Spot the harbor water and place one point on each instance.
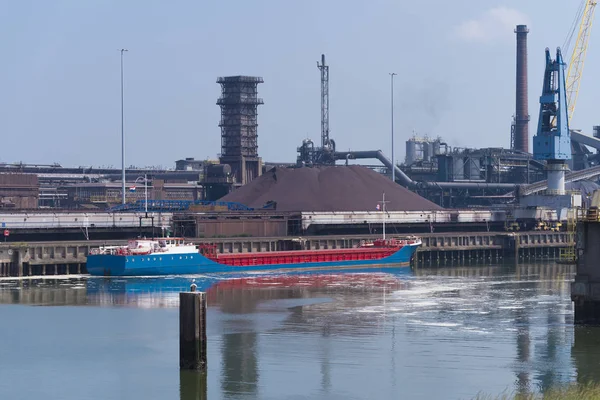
(443, 333)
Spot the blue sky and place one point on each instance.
(455, 61)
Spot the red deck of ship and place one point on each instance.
(304, 256)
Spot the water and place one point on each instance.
(434, 334)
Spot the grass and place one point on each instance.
(572, 392)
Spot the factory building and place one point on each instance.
(106, 194)
(19, 191)
(190, 164)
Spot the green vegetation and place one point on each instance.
(573, 392)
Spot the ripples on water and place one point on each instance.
(434, 333)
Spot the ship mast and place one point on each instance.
(382, 202)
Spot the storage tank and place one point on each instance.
(427, 151)
(218, 170)
(436, 148)
(411, 152)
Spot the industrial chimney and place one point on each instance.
(521, 138)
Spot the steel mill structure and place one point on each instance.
(239, 103)
(450, 176)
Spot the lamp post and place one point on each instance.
(122, 131)
(392, 74)
(145, 178)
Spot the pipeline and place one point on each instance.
(580, 137)
(405, 181)
(401, 177)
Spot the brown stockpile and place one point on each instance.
(339, 188)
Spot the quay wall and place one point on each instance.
(585, 290)
(19, 259)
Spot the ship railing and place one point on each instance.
(393, 242)
(111, 250)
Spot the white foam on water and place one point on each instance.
(429, 290)
(476, 330)
(372, 310)
(43, 277)
(438, 324)
(493, 283)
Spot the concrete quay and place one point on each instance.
(46, 258)
(467, 248)
(21, 259)
(585, 290)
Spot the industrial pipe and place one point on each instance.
(378, 154)
(405, 180)
(467, 185)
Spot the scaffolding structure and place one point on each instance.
(239, 103)
(568, 254)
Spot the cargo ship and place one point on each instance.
(174, 256)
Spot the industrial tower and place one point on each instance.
(520, 136)
(239, 140)
(327, 145)
(552, 142)
(308, 154)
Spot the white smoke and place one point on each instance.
(493, 25)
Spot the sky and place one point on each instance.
(454, 60)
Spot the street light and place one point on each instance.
(145, 178)
(392, 74)
(122, 131)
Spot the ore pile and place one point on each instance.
(330, 188)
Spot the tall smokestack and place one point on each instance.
(522, 112)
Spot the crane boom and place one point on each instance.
(578, 57)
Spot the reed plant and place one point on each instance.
(590, 391)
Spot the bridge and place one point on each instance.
(573, 176)
(179, 205)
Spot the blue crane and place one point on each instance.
(552, 141)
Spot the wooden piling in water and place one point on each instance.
(192, 385)
(192, 331)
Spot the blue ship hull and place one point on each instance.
(195, 263)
